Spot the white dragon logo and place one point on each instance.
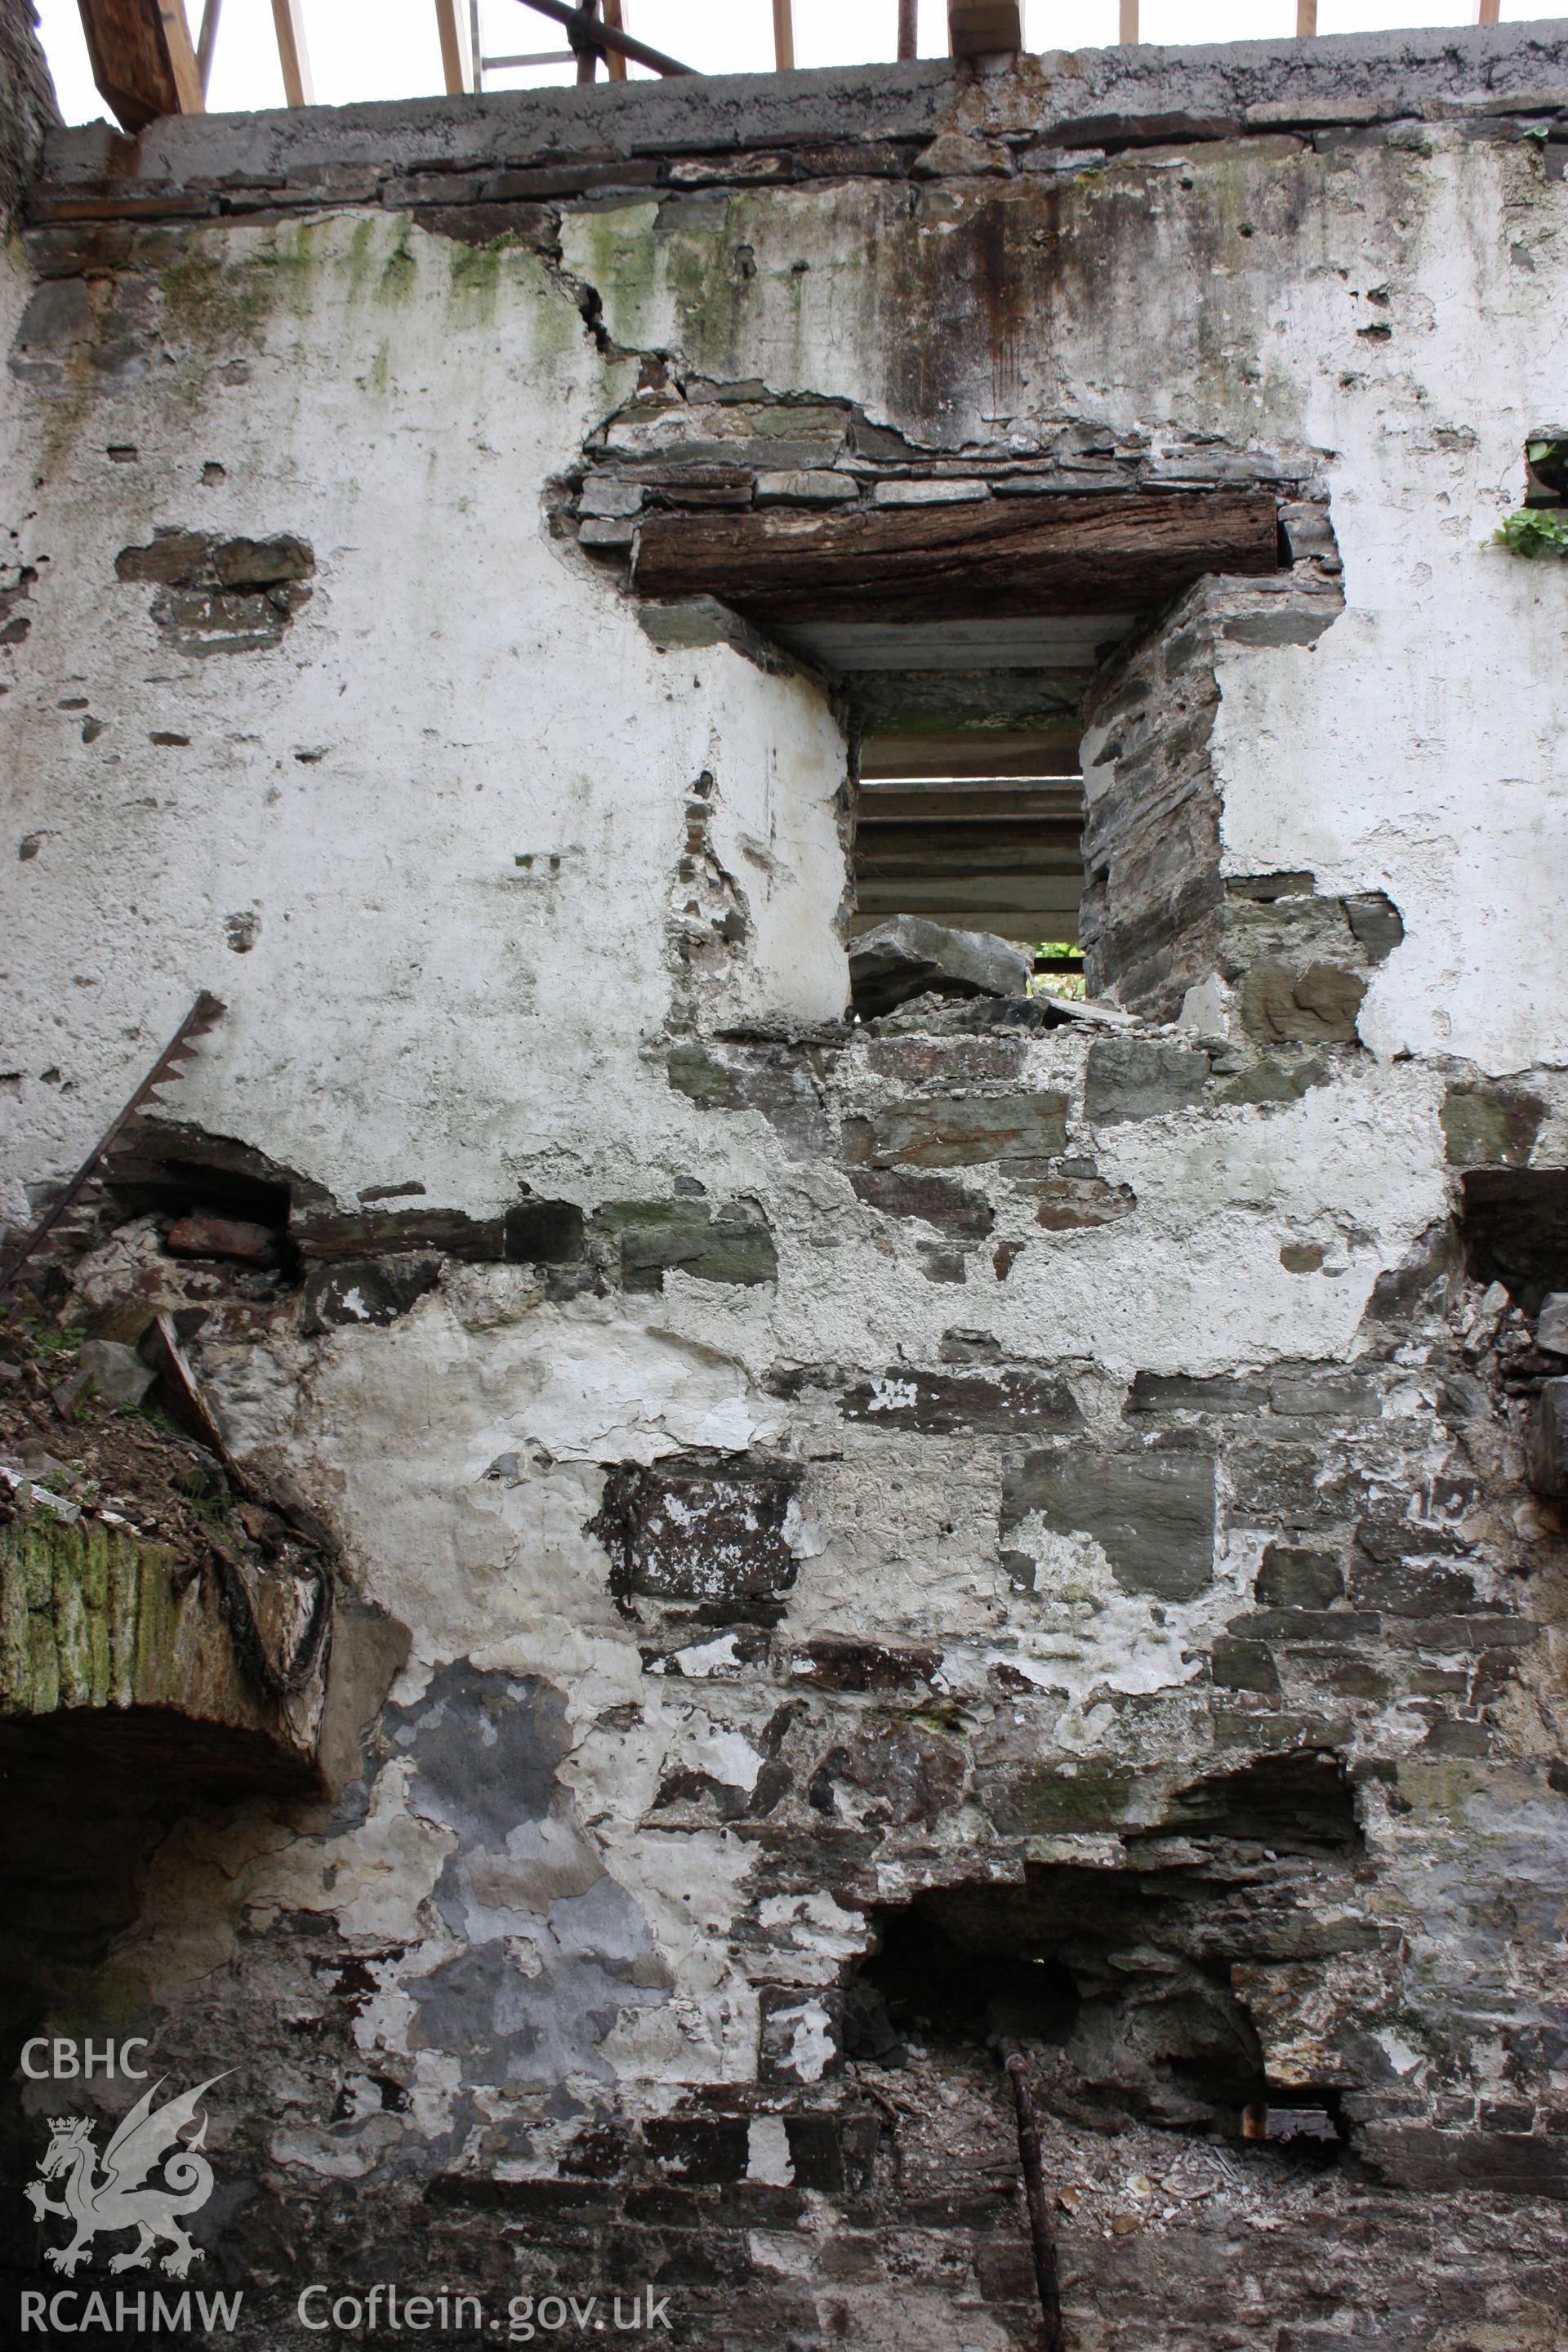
(117, 2198)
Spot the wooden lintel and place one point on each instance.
(143, 60)
(978, 28)
(1093, 553)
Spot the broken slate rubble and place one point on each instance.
(908, 956)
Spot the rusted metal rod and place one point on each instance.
(1015, 2064)
(585, 32)
(909, 39)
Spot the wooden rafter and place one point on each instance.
(292, 54)
(614, 64)
(783, 35)
(207, 42)
(586, 31)
(453, 75)
(143, 60)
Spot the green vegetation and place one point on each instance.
(1534, 531)
(1066, 980)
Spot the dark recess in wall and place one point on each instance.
(1515, 1228)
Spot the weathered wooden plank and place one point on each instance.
(1085, 554)
(1052, 803)
(1048, 751)
(142, 57)
(960, 854)
(1042, 910)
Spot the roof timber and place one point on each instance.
(1083, 553)
(143, 60)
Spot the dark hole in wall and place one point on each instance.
(184, 1178)
(979, 854)
(1299, 1804)
(1515, 1228)
(1121, 1980)
(922, 1984)
(182, 1188)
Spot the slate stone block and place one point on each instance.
(771, 1079)
(653, 1237)
(969, 1131)
(365, 1290)
(1552, 1325)
(942, 1402)
(932, 1200)
(1406, 1590)
(693, 2150)
(1315, 1007)
(1074, 1199)
(1490, 1125)
(1548, 1441)
(1332, 1394)
(1503, 2162)
(815, 2157)
(953, 1061)
(1129, 1079)
(118, 1374)
(691, 1528)
(845, 1665)
(1153, 1513)
(1244, 1665)
(1292, 1577)
(1375, 924)
(1224, 1392)
(908, 956)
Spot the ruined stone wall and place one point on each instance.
(965, 1483)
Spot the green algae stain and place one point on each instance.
(87, 1618)
(399, 272)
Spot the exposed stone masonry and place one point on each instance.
(837, 1523)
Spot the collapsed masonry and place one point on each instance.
(870, 1514)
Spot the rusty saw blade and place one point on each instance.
(203, 1013)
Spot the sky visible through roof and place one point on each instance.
(387, 48)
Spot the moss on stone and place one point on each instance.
(87, 1618)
